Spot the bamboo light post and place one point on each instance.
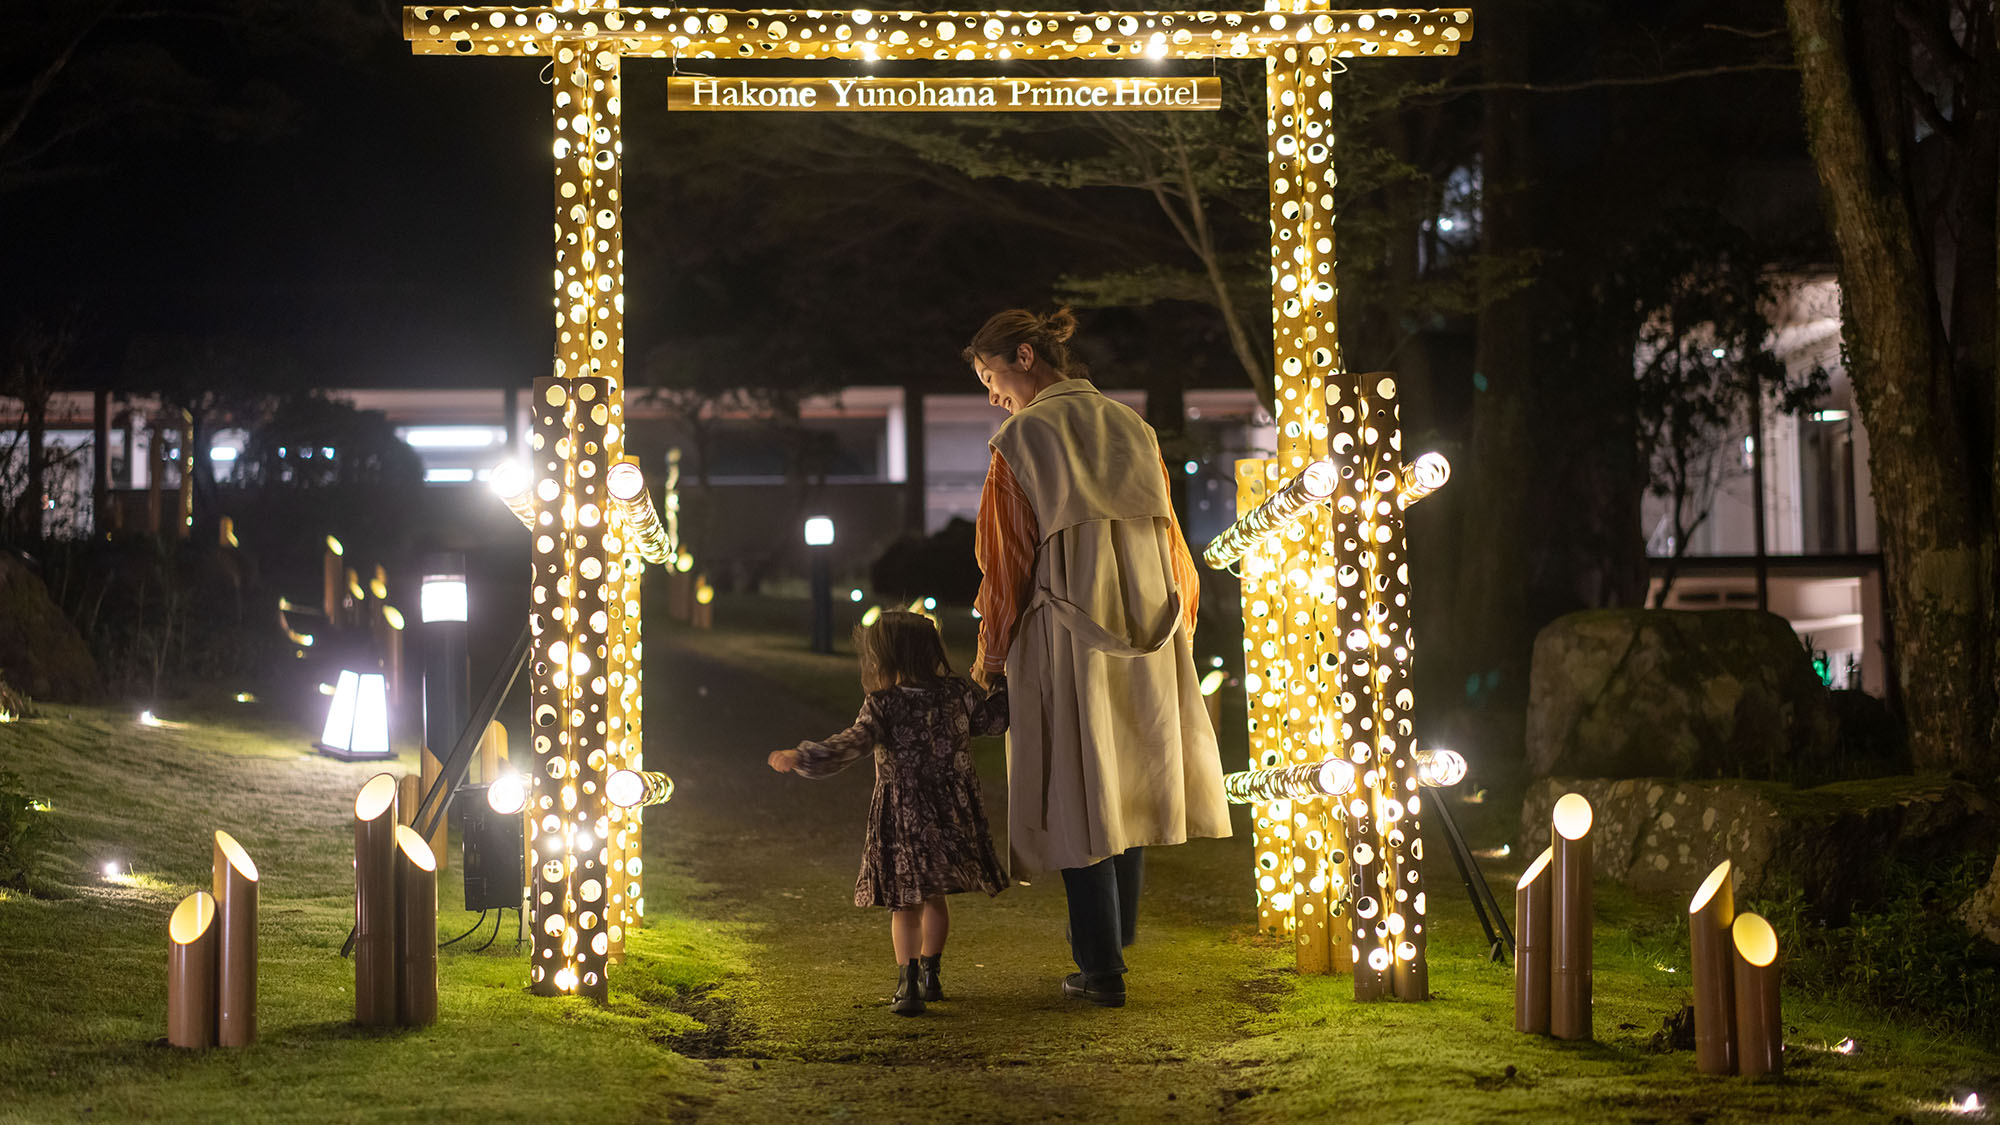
(1570, 920)
(416, 975)
(191, 941)
(1532, 931)
(432, 769)
(235, 879)
(1760, 1033)
(1710, 915)
(375, 902)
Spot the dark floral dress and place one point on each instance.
(927, 832)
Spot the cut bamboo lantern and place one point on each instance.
(432, 770)
(236, 943)
(1760, 1036)
(492, 751)
(416, 930)
(1531, 946)
(1710, 916)
(375, 902)
(1570, 920)
(191, 972)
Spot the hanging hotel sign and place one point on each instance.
(962, 95)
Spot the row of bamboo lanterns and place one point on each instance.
(1737, 1017)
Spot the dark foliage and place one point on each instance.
(937, 566)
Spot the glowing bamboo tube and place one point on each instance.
(1423, 476)
(1570, 920)
(630, 789)
(375, 902)
(236, 943)
(1312, 486)
(416, 930)
(392, 642)
(511, 483)
(191, 972)
(330, 596)
(1760, 1034)
(1531, 946)
(1331, 778)
(432, 770)
(409, 791)
(1710, 915)
(492, 751)
(627, 485)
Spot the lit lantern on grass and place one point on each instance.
(1760, 1031)
(191, 940)
(357, 719)
(1710, 915)
(1570, 935)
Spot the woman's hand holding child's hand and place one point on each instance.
(784, 761)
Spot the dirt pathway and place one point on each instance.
(808, 1034)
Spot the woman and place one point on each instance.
(1088, 608)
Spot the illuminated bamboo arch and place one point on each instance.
(1306, 705)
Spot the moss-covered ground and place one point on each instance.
(756, 992)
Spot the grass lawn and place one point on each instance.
(755, 992)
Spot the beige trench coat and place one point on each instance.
(1109, 745)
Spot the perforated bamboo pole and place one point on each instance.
(1710, 915)
(1531, 946)
(375, 902)
(416, 930)
(1760, 1033)
(191, 972)
(235, 878)
(1570, 917)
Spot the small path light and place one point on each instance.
(819, 537)
(357, 721)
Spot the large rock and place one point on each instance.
(41, 654)
(1667, 693)
(1837, 843)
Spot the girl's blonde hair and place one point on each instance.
(900, 647)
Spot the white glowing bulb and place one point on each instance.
(1846, 1047)
(854, 595)
(509, 480)
(111, 870)
(1971, 1104)
(507, 795)
(625, 481)
(147, 719)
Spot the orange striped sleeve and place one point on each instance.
(1007, 536)
(1186, 578)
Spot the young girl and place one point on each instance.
(927, 835)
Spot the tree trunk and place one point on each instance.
(1489, 605)
(34, 501)
(1936, 546)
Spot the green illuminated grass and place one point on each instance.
(756, 993)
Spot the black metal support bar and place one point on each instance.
(431, 809)
(1501, 943)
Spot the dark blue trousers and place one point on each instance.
(1104, 914)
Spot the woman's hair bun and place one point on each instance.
(1059, 325)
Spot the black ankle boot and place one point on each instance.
(927, 970)
(909, 999)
